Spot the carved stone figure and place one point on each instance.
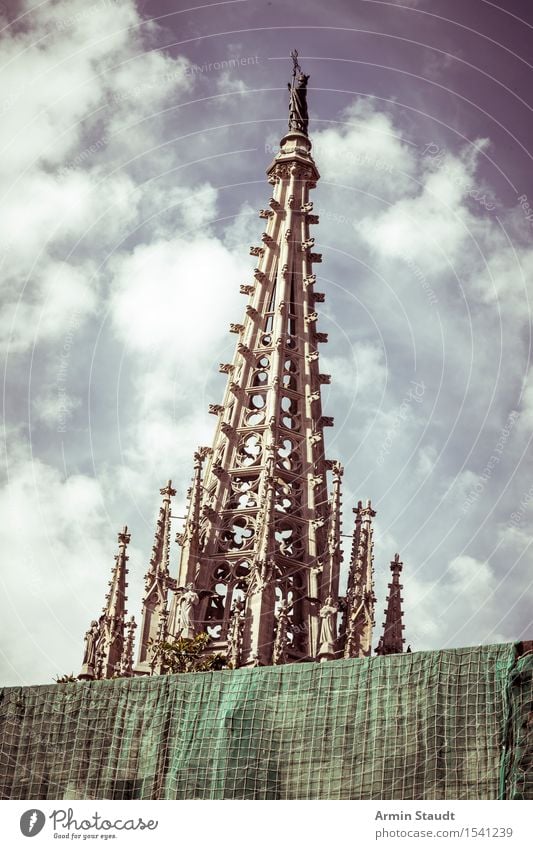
(185, 625)
(328, 616)
(279, 654)
(91, 642)
(298, 114)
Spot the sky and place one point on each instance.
(135, 138)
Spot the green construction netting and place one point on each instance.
(517, 763)
(428, 725)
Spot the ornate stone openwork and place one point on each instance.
(260, 545)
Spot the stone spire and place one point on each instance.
(190, 538)
(392, 640)
(261, 544)
(264, 506)
(327, 643)
(156, 585)
(360, 598)
(126, 661)
(105, 640)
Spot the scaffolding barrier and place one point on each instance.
(453, 724)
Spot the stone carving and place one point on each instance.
(126, 661)
(227, 429)
(91, 644)
(298, 114)
(235, 634)
(328, 617)
(185, 607)
(279, 654)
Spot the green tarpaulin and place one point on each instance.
(428, 725)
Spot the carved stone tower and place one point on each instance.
(261, 546)
(157, 584)
(259, 525)
(392, 640)
(109, 641)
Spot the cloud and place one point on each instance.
(365, 151)
(123, 218)
(59, 546)
(429, 604)
(172, 303)
(167, 292)
(76, 77)
(64, 295)
(362, 371)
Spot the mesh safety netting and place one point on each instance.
(429, 725)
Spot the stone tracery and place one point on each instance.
(261, 545)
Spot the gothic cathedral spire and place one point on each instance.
(107, 645)
(392, 640)
(157, 584)
(263, 530)
(261, 546)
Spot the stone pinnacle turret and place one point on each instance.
(392, 640)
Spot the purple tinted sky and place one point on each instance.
(132, 172)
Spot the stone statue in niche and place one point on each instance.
(184, 613)
(91, 641)
(328, 620)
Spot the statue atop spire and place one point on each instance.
(298, 114)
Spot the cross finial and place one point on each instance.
(168, 490)
(295, 63)
(124, 537)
